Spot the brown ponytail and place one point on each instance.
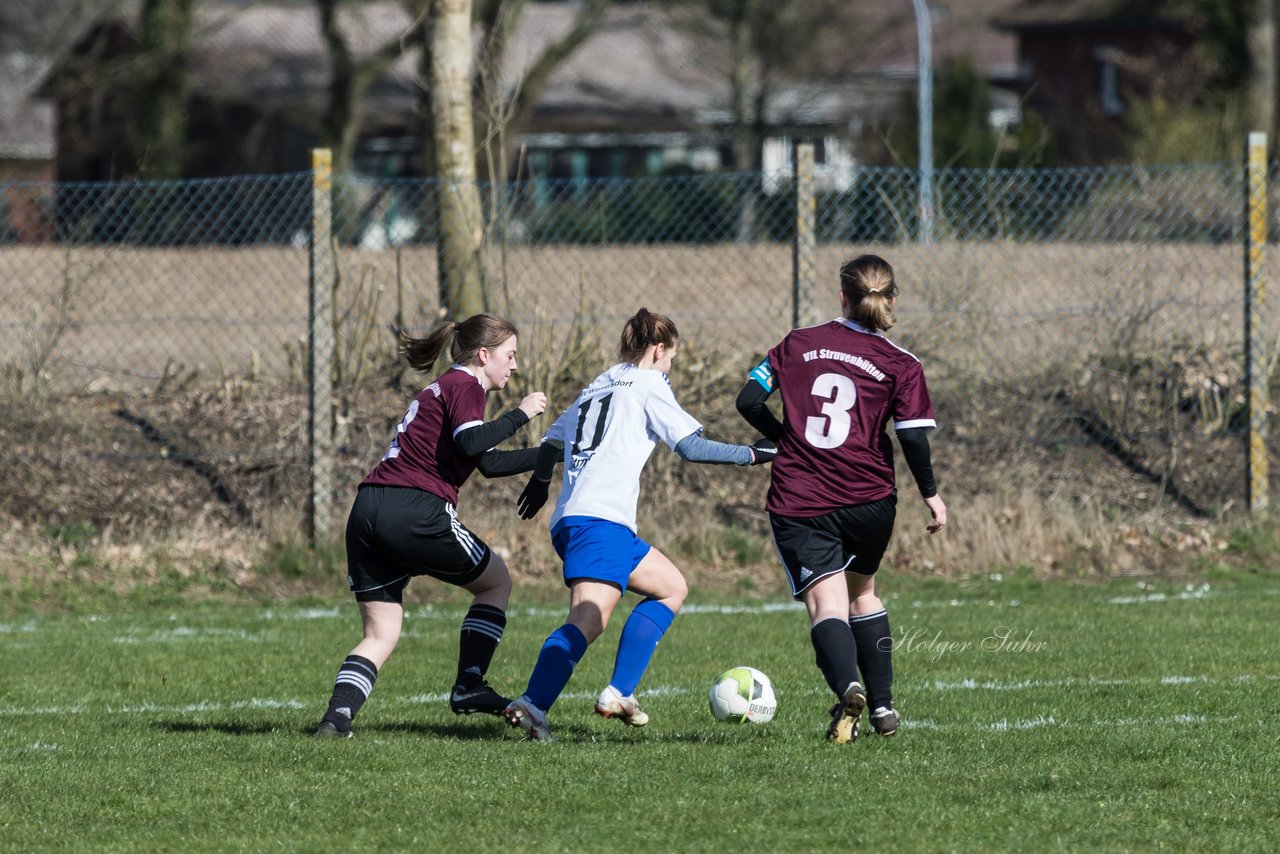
(464, 339)
(868, 286)
(644, 330)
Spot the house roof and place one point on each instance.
(639, 65)
(636, 62)
(960, 28)
(1058, 14)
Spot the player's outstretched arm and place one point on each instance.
(474, 441)
(696, 449)
(494, 463)
(535, 491)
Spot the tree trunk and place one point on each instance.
(427, 203)
(160, 106)
(341, 117)
(1261, 91)
(459, 250)
(422, 103)
(349, 80)
(744, 77)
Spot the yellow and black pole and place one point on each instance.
(1254, 292)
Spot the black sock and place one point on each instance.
(875, 656)
(350, 690)
(481, 631)
(837, 653)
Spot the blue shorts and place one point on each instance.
(597, 550)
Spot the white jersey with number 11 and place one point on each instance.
(608, 435)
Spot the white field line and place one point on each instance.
(1043, 722)
(1188, 593)
(456, 613)
(658, 691)
(1001, 726)
(430, 612)
(1031, 684)
(185, 633)
(153, 709)
(306, 613)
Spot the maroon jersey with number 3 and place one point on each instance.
(841, 385)
(422, 454)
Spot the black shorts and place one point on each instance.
(395, 533)
(852, 538)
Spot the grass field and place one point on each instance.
(1114, 716)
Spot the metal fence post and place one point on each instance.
(803, 263)
(924, 100)
(320, 348)
(1254, 292)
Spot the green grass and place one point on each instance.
(1129, 717)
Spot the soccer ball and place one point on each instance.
(743, 694)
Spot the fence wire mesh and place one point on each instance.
(1058, 312)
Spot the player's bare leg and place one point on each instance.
(382, 622)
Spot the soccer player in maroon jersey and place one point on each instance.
(404, 522)
(832, 497)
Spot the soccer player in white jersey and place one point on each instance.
(832, 497)
(404, 522)
(605, 438)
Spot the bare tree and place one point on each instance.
(465, 101)
(503, 107)
(420, 10)
(769, 42)
(459, 249)
(160, 89)
(748, 91)
(350, 79)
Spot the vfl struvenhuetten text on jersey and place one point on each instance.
(841, 385)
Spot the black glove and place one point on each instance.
(763, 451)
(533, 497)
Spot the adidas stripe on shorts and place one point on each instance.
(850, 538)
(395, 533)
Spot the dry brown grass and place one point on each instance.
(718, 536)
(1120, 331)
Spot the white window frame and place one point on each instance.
(1109, 80)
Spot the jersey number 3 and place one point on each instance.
(838, 395)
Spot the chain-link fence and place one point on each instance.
(1058, 312)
